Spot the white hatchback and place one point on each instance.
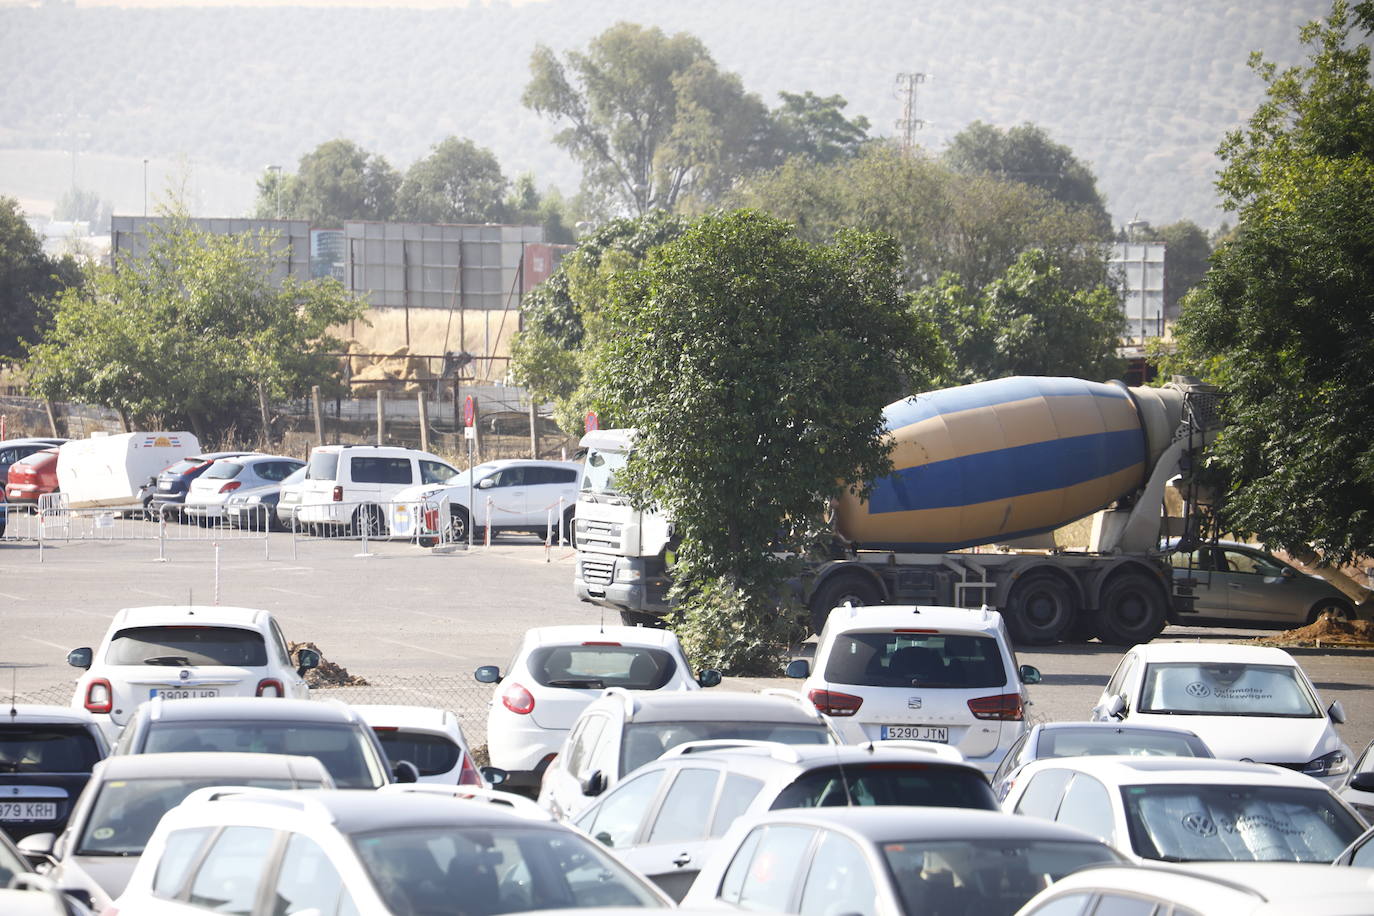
(428, 737)
(1245, 702)
(208, 493)
(921, 673)
(184, 652)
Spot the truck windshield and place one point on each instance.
(601, 468)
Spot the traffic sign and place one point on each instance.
(469, 411)
(592, 423)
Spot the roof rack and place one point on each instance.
(312, 806)
(517, 804)
(776, 750)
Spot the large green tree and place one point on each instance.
(28, 279)
(336, 181)
(1284, 316)
(192, 332)
(458, 182)
(815, 128)
(755, 367)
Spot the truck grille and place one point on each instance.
(598, 572)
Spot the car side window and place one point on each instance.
(367, 469)
(738, 869)
(228, 878)
(1242, 562)
(686, 808)
(308, 882)
(279, 644)
(510, 477)
(1363, 857)
(1088, 807)
(735, 797)
(1041, 798)
(1067, 905)
(618, 817)
(1011, 761)
(580, 753)
(183, 846)
(1124, 905)
(435, 471)
(777, 862)
(1117, 684)
(839, 880)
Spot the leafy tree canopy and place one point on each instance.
(1282, 321)
(816, 129)
(188, 332)
(458, 182)
(28, 279)
(526, 206)
(755, 366)
(336, 181)
(80, 204)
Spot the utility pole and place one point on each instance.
(908, 123)
(145, 188)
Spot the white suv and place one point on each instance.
(925, 673)
(509, 495)
(352, 486)
(184, 652)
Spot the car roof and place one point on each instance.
(865, 617)
(255, 459)
(797, 758)
(895, 823)
(363, 812)
(215, 764)
(1120, 727)
(190, 615)
(33, 440)
(1132, 770)
(1210, 886)
(540, 462)
(699, 705)
(577, 634)
(1219, 653)
(278, 709)
(215, 456)
(388, 715)
(44, 714)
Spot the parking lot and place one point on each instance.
(424, 620)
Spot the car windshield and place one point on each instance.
(1097, 741)
(599, 666)
(32, 748)
(599, 470)
(483, 871)
(126, 811)
(1211, 689)
(992, 877)
(460, 478)
(345, 751)
(223, 470)
(184, 646)
(1246, 823)
(431, 754)
(891, 659)
(889, 783)
(322, 466)
(645, 741)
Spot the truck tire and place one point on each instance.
(1041, 609)
(569, 527)
(1131, 610)
(852, 589)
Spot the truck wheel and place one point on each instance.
(841, 590)
(1131, 610)
(641, 619)
(1041, 609)
(569, 527)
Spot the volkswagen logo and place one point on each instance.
(913, 702)
(185, 674)
(1198, 689)
(1200, 824)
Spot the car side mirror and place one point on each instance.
(494, 776)
(37, 847)
(80, 658)
(306, 659)
(1360, 782)
(83, 897)
(594, 784)
(487, 674)
(1288, 572)
(798, 668)
(405, 771)
(1337, 712)
(709, 677)
(1030, 674)
(1115, 707)
(486, 483)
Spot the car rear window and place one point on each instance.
(889, 783)
(381, 470)
(223, 470)
(323, 466)
(431, 754)
(187, 645)
(184, 465)
(47, 749)
(600, 666)
(1095, 741)
(342, 748)
(890, 659)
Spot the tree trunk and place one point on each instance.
(265, 439)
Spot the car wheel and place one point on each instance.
(1131, 610)
(569, 527)
(458, 522)
(841, 590)
(1040, 610)
(1336, 606)
(368, 520)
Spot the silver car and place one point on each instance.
(1240, 584)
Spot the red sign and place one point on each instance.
(591, 423)
(469, 411)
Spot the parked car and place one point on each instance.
(625, 729)
(889, 862)
(1245, 702)
(557, 672)
(508, 495)
(12, 450)
(407, 854)
(428, 737)
(289, 498)
(174, 482)
(1358, 790)
(192, 651)
(327, 730)
(1240, 585)
(46, 757)
(255, 508)
(1177, 810)
(1049, 740)
(24, 892)
(127, 796)
(32, 476)
(1278, 889)
(350, 487)
(924, 673)
(208, 493)
(665, 818)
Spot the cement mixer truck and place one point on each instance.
(981, 475)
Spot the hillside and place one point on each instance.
(1143, 91)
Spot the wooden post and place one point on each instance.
(424, 421)
(266, 438)
(381, 417)
(319, 415)
(534, 429)
(52, 418)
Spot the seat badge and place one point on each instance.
(913, 702)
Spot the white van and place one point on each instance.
(350, 486)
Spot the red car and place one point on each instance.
(32, 476)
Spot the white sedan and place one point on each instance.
(508, 495)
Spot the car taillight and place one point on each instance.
(109, 911)
(230, 487)
(270, 687)
(601, 644)
(338, 494)
(1006, 706)
(834, 703)
(99, 696)
(518, 700)
(469, 775)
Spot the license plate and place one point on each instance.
(27, 811)
(164, 485)
(183, 693)
(916, 732)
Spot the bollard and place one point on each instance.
(548, 534)
(217, 574)
(162, 537)
(487, 539)
(563, 535)
(365, 525)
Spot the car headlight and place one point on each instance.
(1332, 764)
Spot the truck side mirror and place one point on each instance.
(80, 658)
(709, 677)
(487, 674)
(1030, 674)
(798, 668)
(306, 659)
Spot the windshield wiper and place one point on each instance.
(586, 682)
(174, 660)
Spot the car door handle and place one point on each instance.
(682, 859)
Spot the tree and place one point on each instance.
(1027, 154)
(192, 332)
(78, 204)
(336, 181)
(28, 279)
(525, 205)
(458, 182)
(1187, 249)
(1283, 317)
(816, 129)
(650, 117)
(755, 367)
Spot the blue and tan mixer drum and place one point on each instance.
(994, 461)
